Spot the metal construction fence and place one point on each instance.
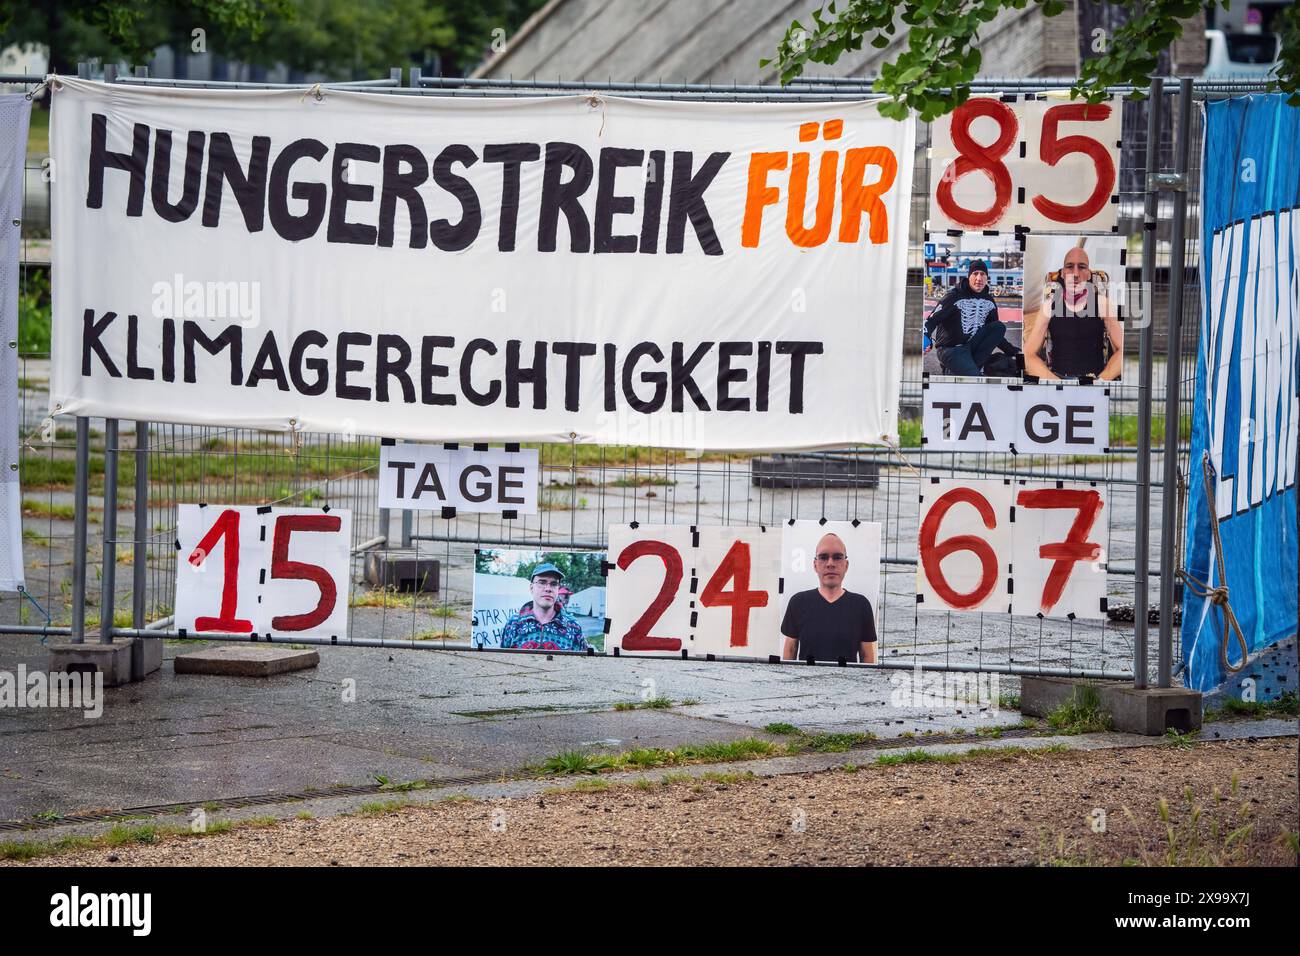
(100, 497)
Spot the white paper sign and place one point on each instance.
(648, 595)
(1027, 419)
(430, 477)
(965, 545)
(1047, 164)
(265, 571)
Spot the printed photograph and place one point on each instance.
(972, 300)
(539, 600)
(831, 574)
(1074, 290)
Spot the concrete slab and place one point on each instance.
(245, 660)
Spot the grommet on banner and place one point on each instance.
(316, 92)
(596, 101)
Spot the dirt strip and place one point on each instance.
(1015, 809)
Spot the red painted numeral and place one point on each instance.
(227, 526)
(972, 157)
(282, 567)
(933, 553)
(1076, 547)
(1053, 150)
(735, 566)
(638, 637)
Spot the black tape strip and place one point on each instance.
(616, 654)
(1087, 380)
(448, 512)
(262, 536)
(1008, 97)
(1011, 447)
(480, 446)
(822, 520)
(607, 624)
(843, 662)
(1015, 388)
(325, 509)
(855, 522)
(694, 617)
(1149, 227)
(178, 544)
(774, 658)
(1060, 485)
(1114, 199)
(935, 481)
(1123, 256)
(203, 504)
(388, 441)
(1011, 585)
(605, 568)
(780, 585)
(1104, 608)
(1041, 616)
(991, 232)
(709, 657)
(695, 539)
(1024, 147)
(510, 514)
(920, 599)
(634, 525)
(264, 510)
(512, 447)
(591, 651)
(1020, 195)
(259, 597)
(1070, 616)
(334, 638)
(450, 446)
(686, 653)
(694, 581)
(1031, 380)
(954, 232)
(1106, 450)
(1013, 514)
(261, 576)
(182, 631)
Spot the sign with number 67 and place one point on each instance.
(264, 571)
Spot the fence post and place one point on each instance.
(1142, 555)
(108, 579)
(414, 77)
(1169, 496)
(140, 557)
(80, 506)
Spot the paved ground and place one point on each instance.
(1016, 807)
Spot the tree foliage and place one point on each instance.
(940, 57)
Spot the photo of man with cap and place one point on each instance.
(966, 330)
(542, 623)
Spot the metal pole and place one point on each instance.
(1141, 602)
(1169, 497)
(108, 581)
(81, 505)
(140, 512)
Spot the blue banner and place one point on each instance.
(1246, 407)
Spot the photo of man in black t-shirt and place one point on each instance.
(829, 623)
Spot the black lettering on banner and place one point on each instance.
(510, 156)
(133, 368)
(343, 192)
(1050, 429)
(798, 352)
(403, 185)
(318, 365)
(401, 467)
(453, 238)
(162, 169)
(249, 189)
(681, 376)
(429, 371)
(505, 485)
(764, 377)
(314, 194)
(387, 367)
(574, 353)
(102, 158)
(562, 196)
(658, 379)
(466, 373)
(728, 375)
(1078, 431)
(608, 205)
(652, 204)
(534, 375)
(268, 364)
(686, 201)
(232, 337)
(611, 360)
(344, 365)
(947, 408)
(91, 331)
(169, 350)
(484, 487)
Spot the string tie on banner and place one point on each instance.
(1217, 596)
(316, 92)
(596, 101)
(898, 453)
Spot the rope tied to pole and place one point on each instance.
(1217, 596)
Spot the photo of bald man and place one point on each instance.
(828, 622)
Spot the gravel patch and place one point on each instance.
(1015, 809)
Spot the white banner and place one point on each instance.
(251, 570)
(15, 111)
(428, 477)
(690, 275)
(1026, 419)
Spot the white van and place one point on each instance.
(1240, 55)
